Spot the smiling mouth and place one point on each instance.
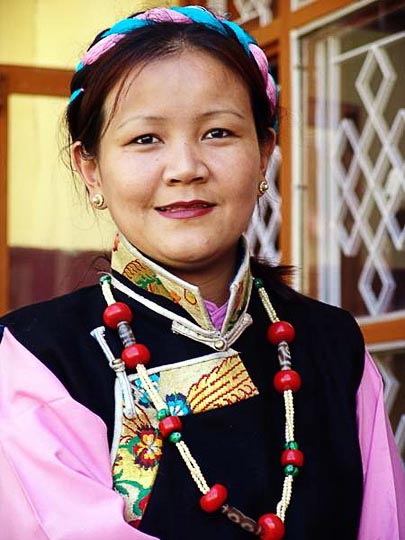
(184, 205)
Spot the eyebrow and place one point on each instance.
(153, 118)
(222, 111)
(149, 118)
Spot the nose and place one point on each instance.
(185, 163)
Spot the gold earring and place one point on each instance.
(263, 187)
(98, 201)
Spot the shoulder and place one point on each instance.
(58, 306)
(331, 338)
(326, 317)
(314, 315)
(326, 334)
(57, 334)
(323, 323)
(80, 309)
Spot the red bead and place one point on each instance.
(292, 457)
(272, 527)
(280, 331)
(169, 424)
(287, 379)
(116, 313)
(135, 354)
(214, 499)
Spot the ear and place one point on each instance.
(266, 149)
(88, 169)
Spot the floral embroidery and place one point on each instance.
(147, 282)
(136, 464)
(177, 404)
(139, 508)
(127, 261)
(138, 272)
(174, 296)
(240, 301)
(190, 297)
(146, 447)
(216, 381)
(123, 487)
(141, 394)
(225, 384)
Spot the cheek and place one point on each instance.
(127, 191)
(247, 189)
(244, 201)
(128, 177)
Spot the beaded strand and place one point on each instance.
(155, 397)
(286, 381)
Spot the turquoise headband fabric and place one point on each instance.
(194, 14)
(180, 15)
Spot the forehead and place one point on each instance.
(185, 79)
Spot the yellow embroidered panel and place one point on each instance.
(135, 267)
(190, 387)
(239, 301)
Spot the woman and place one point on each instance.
(179, 365)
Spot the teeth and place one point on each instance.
(174, 208)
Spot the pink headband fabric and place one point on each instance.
(101, 47)
(163, 15)
(188, 15)
(262, 62)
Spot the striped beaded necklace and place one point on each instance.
(135, 356)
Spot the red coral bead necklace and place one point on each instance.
(287, 381)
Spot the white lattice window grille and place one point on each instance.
(247, 10)
(378, 162)
(265, 224)
(354, 98)
(348, 202)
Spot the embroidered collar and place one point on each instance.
(148, 275)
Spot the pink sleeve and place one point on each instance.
(55, 481)
(383, 512)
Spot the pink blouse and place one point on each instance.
(55, 481)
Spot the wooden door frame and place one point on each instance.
(27, 81)
(275, 39)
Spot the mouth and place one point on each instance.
(184, 205)
(185, 209)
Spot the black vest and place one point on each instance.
(238, 445)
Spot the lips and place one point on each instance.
(181, 205)
(185, 209)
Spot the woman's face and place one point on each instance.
(179, 163)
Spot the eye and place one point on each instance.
(218, 133)
(149, 138)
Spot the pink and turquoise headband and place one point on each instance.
(187, 15)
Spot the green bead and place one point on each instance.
(175, 437)
(291, 470)
(291, 445)
(163, 413)
(258, 283)
(105, 279)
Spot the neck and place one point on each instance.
(213, 280)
